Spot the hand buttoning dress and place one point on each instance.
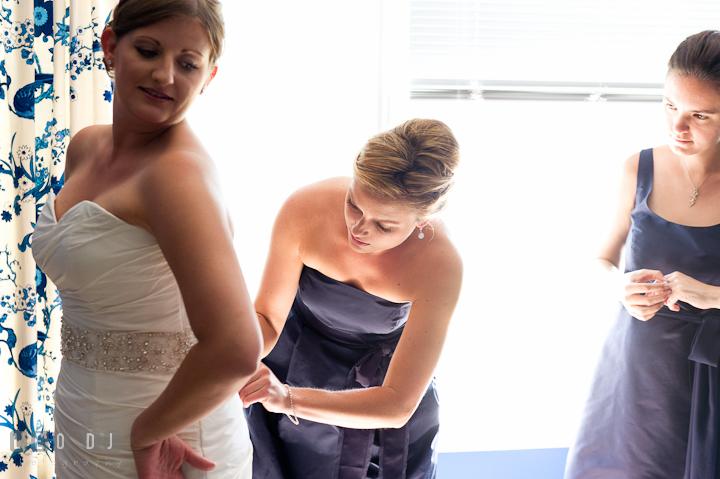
(339, 337)
(653, 411)
(124, 333)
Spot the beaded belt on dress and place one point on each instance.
(118, 351)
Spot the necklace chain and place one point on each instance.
(693, 197)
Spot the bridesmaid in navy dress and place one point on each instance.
(653, 408)
(357, 294)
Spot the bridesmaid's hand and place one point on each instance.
(264, 387)
(641, 298)
(684, 288)
(163, 459)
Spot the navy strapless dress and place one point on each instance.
(339, 337)
(653, 410)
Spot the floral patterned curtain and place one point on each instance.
(52, 84)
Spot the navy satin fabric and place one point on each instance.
(653, 407)
(339, 337)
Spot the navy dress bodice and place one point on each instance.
(338, 337)
(653, 407)
(654, 243)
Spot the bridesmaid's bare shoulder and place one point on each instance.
(315, 201)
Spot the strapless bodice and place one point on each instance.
(111, 275)
(347, 314)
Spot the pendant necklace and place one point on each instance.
(694, 195)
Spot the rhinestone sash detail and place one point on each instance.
(132, 352)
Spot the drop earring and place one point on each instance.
(421, 235)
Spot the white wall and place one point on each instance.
(533, 195)
(296, 97)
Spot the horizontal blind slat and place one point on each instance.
(574, 40)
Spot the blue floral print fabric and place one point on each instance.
(50, 70)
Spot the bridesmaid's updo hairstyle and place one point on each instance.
(698, 56)
(412, 164)
(133, 14)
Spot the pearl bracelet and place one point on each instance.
(293, 418)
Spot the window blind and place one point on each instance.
(556, 49)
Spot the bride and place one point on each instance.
(158, 330)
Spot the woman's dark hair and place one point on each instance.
(698, 56)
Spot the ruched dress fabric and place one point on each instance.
(339, 337)
(653, 407)
(122, 316)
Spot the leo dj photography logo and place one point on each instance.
(91, 441)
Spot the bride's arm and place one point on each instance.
(182, 207)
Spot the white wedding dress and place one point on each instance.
(124, 333)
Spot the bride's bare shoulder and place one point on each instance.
(83, 145)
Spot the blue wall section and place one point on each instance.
(522, 464)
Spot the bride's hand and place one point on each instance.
(687, 289)
(264, 387)
(163, 459)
